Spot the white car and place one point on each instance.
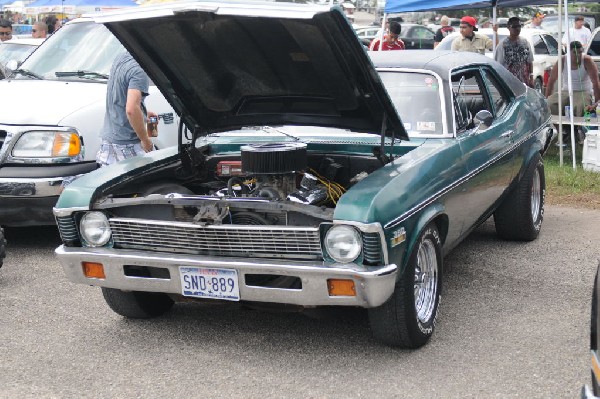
(593, 47)
(544, 45)
(51, 121)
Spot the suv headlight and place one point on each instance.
(95, 229)
(45, 144)
(343, 243)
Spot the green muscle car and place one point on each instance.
(315, 175)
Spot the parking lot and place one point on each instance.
(514, 323)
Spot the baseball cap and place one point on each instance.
(539, 14)
(469, 20)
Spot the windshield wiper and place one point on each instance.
(82, 74)
(27, 73)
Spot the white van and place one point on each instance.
(51, 116)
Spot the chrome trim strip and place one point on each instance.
(395, 222)
(62, 212)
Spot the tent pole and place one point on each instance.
(559, 88)
(382, 32)
(494, 22)
(570, 85)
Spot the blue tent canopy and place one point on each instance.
(395, 6)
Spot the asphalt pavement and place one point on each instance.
(514, 322)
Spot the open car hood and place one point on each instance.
(226, 66)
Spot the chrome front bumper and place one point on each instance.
(373, 285)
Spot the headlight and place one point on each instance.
(95, 229)
(43, 144)
(343, 243)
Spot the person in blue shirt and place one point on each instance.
(127, 129)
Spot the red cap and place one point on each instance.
(469, 20)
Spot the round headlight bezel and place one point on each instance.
(95, 220)
(335, 237)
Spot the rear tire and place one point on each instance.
(521, 214)
(137, 304)
(407, 319)
(2, 247)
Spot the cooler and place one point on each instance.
(591, 151)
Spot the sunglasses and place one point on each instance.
(5, 33)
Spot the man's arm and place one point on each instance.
(136, 118)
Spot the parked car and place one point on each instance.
(302, 185)
(50, 128)
(544, 45)
(594, 390)
(593, 47)
(550, 22)
(414, 36)
(16, 50)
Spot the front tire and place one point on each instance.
(521, 214)
(137, 304)
(2, 247)
(407, 319)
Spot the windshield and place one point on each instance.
(12, 51)
(416, 97)
(75, 47)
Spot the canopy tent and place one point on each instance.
(396, 6)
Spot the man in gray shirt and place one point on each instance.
(126, 131)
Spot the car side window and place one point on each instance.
(595, 45)
(539, 46)
(552, 44)
(499, 98)
(421, 33)
(468, 91)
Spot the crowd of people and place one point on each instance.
(40, 29)
(516, 55)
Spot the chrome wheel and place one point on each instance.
(536, 195)
(426, 281)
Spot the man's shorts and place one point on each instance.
(110, 153)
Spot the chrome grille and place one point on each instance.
(372, 254)
(67, 228)
(225, 240)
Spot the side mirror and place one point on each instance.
(11, 66)
(483, 119)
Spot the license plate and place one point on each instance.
(202, 282)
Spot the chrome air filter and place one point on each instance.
(273, 158)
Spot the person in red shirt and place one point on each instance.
(391, 41)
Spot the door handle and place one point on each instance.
(507, 134)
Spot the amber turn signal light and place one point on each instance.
(93, 270)
(341, 287)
